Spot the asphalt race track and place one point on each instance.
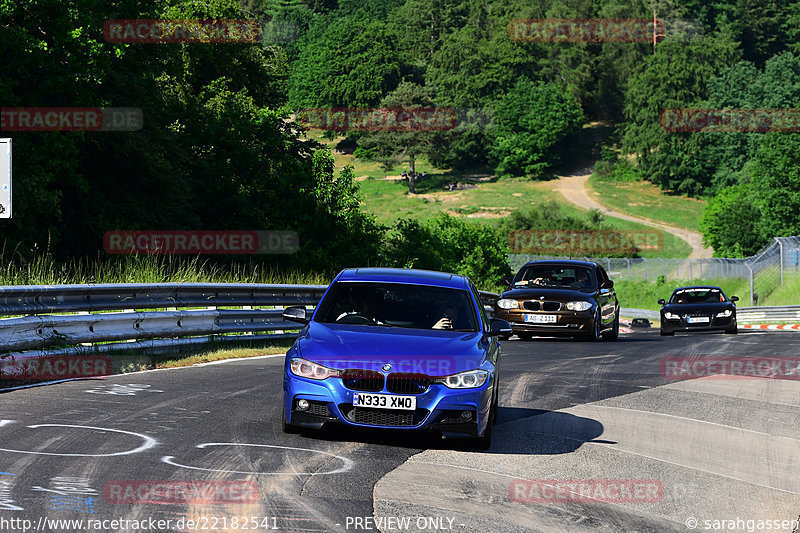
(591, 414)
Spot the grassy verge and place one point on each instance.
(45, 270)
(645, 200)
(645, 295)
(126, 361)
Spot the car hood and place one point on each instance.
(432, 352)
(713, 307)
(561, 295)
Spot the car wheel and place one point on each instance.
(614, 333)
(525, 336)
(667, 333)
(594, 336)
(504, 337)
(732, 331)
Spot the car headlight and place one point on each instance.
(465, 380)
(578, 306)
(307, 369)
(725, 314)
(507, 303)
(671, 316)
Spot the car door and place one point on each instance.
(493, 348)
(606, 299)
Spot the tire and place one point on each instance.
(504, 337)
(732, 331)
(614, 333)
(594, 336)
(667, 333)
(525, 336)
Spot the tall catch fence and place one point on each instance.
(765, 271)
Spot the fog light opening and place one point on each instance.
(466, 415)
(302, 405)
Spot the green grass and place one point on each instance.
(43, 269)
(488, 202)
(645, 200)
(645, 294)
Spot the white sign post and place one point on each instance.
(5, 178)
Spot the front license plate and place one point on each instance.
(698, 320)
(540, 319)
(384, 401)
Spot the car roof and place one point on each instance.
(569, 262)
(404, 275)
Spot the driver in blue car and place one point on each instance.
(367, 304)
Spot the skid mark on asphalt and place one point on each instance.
(148, 442)
(347, 464)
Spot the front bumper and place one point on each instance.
(567, 323)
(671, 325)
(438, 408)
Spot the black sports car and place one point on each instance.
(561, 298)
(700, 308)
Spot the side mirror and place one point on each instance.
(734, 298)
(607, 284)
(296, 313)
(662, 301)
(498, 327)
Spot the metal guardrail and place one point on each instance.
(773, 313)
(110, 313)
(744, 315)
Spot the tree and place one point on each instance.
(348, 61)
(730, 222)
(393, 148)
(675, 76)
(532, 120)
(776, 182)
(449, 244)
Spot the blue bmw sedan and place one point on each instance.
(395, 349)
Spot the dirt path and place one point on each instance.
(575, 190)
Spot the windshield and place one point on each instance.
(697, 296)
(555, 276)
(398, 305)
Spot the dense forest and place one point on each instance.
(219, 148)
